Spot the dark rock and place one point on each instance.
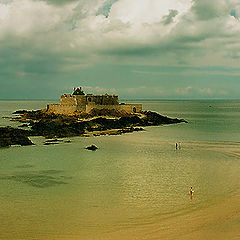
(155, 119)
(137, 129)
(104, 112)
(96, 134)
(92, 147)
(57, 126)
(23, 125)
(12, 136)
(20, 112)
(54, 140)
(51, 143)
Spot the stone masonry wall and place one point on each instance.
(68, 100)
(85, 103)
(61, 109)
(81, 100)
(102, 99)
(130, 108)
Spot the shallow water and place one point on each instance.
(136, 186)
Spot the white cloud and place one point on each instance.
(3, 11)
(207, 91)
(184, 91)
(146, 12)
(196, 91)
(166, 32)
(24, 17)
(131, 21)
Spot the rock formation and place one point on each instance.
(12, 136)
(96, 122)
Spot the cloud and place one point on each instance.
(99, 90)
(235, 12)
(106, 8)
(59, 2)
(175, 31)
(170, 17)
(196, 92)
(206, 10)
(146, 91)
(206, 91)
(184, 91)
(62, 37)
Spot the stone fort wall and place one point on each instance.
(68, 100)
(129, 108)
(70, 104)
(85, 99)
(70, 109)
(102, 99)
(61, 109)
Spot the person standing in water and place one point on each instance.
(191, 191)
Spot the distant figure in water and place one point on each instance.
(191, 191)
(176, 146)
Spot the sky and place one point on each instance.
(155, 49)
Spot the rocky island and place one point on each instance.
(82, 115)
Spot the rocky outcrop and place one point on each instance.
(97, 122)
(12, 136)
(65, 127)
(92, 148)
(155, 119)
(57, 128)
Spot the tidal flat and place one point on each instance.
(135, 186)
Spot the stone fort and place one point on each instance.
(78, 102)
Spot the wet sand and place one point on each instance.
(219, 221)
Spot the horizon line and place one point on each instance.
(125, 99)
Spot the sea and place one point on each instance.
(135, 186)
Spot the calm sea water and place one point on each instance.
(136, 186)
